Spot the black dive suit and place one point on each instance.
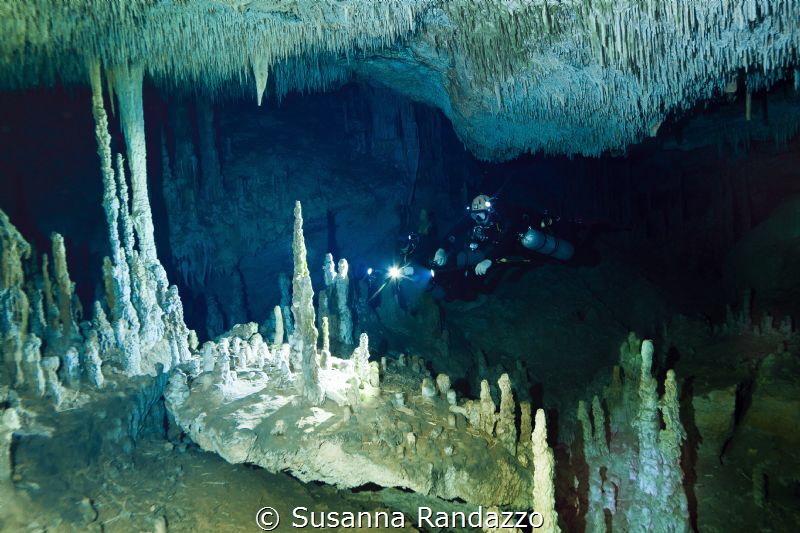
(501, 239)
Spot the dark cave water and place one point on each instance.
(670, 233)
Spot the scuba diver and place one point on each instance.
(494, 238)
(489, 237)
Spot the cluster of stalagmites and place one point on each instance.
(242, 362)
(43, 346)
(49, 350)
(49, 347)
(637, 480)
(740, 322)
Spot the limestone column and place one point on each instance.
(128, 88)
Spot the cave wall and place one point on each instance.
(363, 161)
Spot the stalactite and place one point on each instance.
(260, 72)
(128, 81)
(654, 58)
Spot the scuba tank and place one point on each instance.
(546, 244)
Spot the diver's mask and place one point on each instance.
(481, 217)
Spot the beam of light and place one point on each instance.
(394, 272)
(369, 271)
(378, 291)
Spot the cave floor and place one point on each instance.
(198, 491)
(192, 490)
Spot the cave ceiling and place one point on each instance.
(514, 76)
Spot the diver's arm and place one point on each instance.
(454, 242)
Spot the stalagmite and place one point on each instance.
(105, 333)
(427, 389)
(65, 287)
(329, 270)
(525, 429)
(595, 516)
(209, 355)
(51, 309)
(646, 423)
(374, 375)
(506, 428)
(325, 354)
(487, 409)
(305, 334)
(328, 294)
(345, 317)
(9, 423)
(673, 497)
(285, 285)
(443, 384)
(175, 329)
(659, 476)
(124, 316)
(38, 320)
(93, 367)
(360, 357)
(108, 282)
(54, 390)
(32, 363)
(14, 305)
(223, 363)
(277, 340)
(70, 366)
(544, 497)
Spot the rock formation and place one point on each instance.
(305, 335)
(544, 494)
(555, 77)
(640, 483)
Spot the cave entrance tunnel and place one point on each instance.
(681, 223)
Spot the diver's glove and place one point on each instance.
(483, 266)
(440, 258)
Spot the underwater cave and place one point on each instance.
(399, 265)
